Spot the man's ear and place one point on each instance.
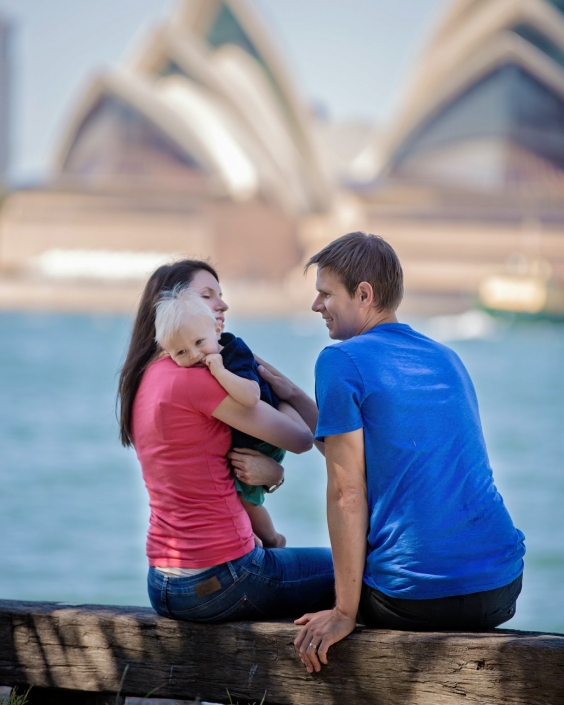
(365, 294)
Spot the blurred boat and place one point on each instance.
(525, 288)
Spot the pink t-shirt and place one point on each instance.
(197, 519)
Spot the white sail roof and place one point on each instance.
(210, 82)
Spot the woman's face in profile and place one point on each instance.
(207, 286)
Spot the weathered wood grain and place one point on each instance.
(88, 647)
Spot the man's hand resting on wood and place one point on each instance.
(321, 629)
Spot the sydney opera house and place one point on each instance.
(200, 144)
(486, 113)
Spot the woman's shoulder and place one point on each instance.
(166, 367)
(193, 385)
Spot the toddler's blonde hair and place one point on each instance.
(172, 309)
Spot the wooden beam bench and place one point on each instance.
(130, 650)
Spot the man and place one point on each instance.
(420, 536)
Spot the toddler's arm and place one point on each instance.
(245, 391)
(263, 526)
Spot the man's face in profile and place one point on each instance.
(340, 312)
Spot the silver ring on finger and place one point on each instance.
(312, 646)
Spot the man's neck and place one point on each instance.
(378, 318)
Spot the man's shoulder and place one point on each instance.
(358, 345)
(390, 336)
(336, 363)
(382, 343)
(333, 352)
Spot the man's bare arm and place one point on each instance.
(347, 516)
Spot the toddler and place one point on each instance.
(186, 329)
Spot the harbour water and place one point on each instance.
(73, 509)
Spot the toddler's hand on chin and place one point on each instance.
(214, 363)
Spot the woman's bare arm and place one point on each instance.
(287, 409)
(266, 423)
(253, 467)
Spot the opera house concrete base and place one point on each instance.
(78, 251)
(53, 240)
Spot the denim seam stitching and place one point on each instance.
(164, 589)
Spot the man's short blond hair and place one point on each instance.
(173, 308)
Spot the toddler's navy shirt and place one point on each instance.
(239, 359)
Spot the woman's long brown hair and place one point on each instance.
(142, 347)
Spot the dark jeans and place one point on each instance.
(478, 611)
(269, 583)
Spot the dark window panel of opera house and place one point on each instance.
(116, 140)
(172, 68)
(508, 104)
(540, 41)
(226, 30)
(559, 4)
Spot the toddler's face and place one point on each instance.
(197, 337)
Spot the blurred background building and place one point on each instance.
(200, 145)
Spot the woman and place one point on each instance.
(203, 564)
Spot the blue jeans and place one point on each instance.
(264, 584)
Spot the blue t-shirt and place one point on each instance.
(438, 525)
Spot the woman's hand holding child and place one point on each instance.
(254, 468)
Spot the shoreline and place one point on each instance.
(246, 299)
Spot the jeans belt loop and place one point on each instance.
(232, 571)
(163, 589)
